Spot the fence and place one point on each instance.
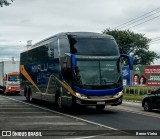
(138, 90)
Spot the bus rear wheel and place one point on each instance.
(29, 96)
(59, 102)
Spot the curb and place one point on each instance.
(134, 101)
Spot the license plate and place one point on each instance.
(101, 102)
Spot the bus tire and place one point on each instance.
(25, 91)
(100, 107)
(29, 95)
(58, 100)
(74, 104)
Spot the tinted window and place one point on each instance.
(96, 72)
(44, 52)
(157, 91)
(94, 46)
(64, 46)
(53, 49)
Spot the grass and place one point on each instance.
(136, 93)
(133, 97)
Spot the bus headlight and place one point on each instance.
(117, 95)
(81, 95)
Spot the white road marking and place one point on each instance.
(15, 108)
(135, 112)
(63, 114)
(49, 123)
(86, 137)
(30, 117)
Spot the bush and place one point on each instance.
(138, 90)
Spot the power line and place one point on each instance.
(145, 21)
(137, 18)
(155, 41)
(142, 17)
(142, 20)
(155, 38)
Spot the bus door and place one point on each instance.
(66, 69)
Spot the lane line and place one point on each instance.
(62, 114)
(22, 117)
(135, 112)
(22, 112)
(15, 108)
(83, 137)
(48, 123)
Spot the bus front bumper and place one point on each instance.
(113, 102)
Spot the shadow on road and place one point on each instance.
(72, 111)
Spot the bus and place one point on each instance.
(74, 69)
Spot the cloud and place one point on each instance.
(9, 51)
(39, 19)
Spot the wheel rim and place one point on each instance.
(146, 107)
(59, 102)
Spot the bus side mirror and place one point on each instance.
(73, 61)
(129, 59)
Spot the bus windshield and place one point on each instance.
(96, 72)
(94, 46)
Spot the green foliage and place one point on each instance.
(132, 97)
(136, 93)
(5, 3)
(138, 90)
(134, 43)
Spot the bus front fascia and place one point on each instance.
(94, 95)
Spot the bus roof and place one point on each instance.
(78, 34)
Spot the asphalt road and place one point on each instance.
(17, 114)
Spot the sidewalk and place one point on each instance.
(132, 102)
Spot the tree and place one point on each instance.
(135, 44)
(5, 3)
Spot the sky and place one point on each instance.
(35, 20)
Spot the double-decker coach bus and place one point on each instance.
(74, 68)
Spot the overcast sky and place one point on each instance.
(38, 19)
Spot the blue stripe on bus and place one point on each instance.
(97, 92)
(73, 60)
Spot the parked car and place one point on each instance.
(151, 100)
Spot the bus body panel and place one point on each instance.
(49, 67)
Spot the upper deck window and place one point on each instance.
(93, 46)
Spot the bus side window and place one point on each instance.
(52, 49)
(64, 46)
